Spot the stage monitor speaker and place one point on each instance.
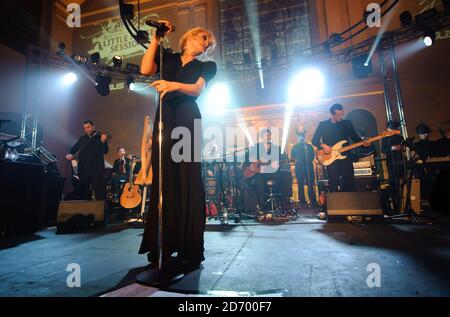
(354, 207)
(77, 215)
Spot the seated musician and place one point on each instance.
(121, 169)
(442, 148)
(268, 155)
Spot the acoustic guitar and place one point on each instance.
(131, 195)
(254, 168)
(327, 159)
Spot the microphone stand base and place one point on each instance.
(159, 278)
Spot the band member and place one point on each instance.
(443, 144)
(90, 149)
(269, 154)
(340, 173)
(303, 154)
(424, 148)
(184, 79)
(121, 168)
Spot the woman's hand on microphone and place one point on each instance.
(168, 25)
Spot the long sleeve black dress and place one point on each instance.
(184, 198)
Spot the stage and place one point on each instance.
(292, 259)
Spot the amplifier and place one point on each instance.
(354, 207)
(363, 171)
(80, 214)
(362, 164)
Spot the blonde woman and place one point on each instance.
(184, 79)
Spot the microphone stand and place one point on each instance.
(162, 276)
(310, 190)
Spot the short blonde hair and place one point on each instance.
(194, 32)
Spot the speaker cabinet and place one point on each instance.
(415, 196)
(80, 215)
(354, 207)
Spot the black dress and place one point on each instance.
(183, 196)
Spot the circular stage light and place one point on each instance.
(131, 84)
(69, 79)
(308, 85)
(428, 41)
(218, 98)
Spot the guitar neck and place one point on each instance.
(356, 145)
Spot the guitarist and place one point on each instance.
(121, 169)
(340, 174)
(90, 149)
(268, 153)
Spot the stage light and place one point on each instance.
(79, 59)
(130, 83)
(336, 39)
(102, 82)
(406, 18)
(133, 68)
(117, 61)
(95, 58)
(218, 98)
(429, 38)
(327, 48)
(308, 85)
(362, 66)
(61, 48)
(69, 79)
(427, 19)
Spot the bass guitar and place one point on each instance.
(327, 159)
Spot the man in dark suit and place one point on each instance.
(90, 150)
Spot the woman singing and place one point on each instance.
(184, 79)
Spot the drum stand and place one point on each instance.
(162, 276)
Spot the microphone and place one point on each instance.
(161, 27)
